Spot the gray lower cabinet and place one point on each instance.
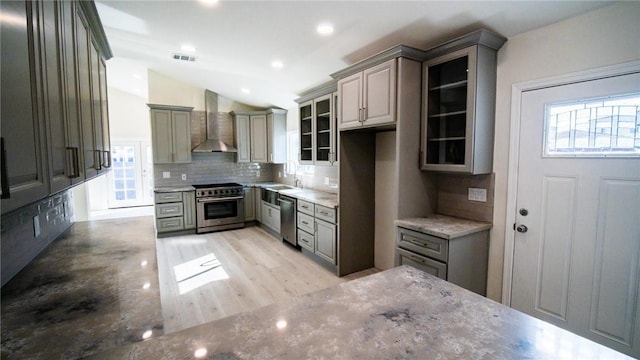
(325, 245)
(317, 230)
(461, 260)
(189, 210)
(249, 204)
(175, 211)
(271, 216)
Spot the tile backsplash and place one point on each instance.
(208, 168)
(323, 178)
(453, 196)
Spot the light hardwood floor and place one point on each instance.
(261, 270)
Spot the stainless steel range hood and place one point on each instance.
(213, 142)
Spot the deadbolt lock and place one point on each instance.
(524, 212)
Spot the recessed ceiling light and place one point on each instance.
(246, 91)
(325, 29)
(188, 48)
(137, 76)
(277, 64)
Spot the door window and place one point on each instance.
(601, 127)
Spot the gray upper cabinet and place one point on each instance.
(48, 132)
(23, 164)
(171, 134)
(305, 130)
(277, 136)
(458, 106)
(243, 138)
(368, 98)
(261, 136)
(317, 126)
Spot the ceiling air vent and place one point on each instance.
(184, 57)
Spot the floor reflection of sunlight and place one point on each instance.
(195, 273)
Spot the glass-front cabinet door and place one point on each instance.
(306, 133)
(457, 128)
(447, 111)
(324, 149)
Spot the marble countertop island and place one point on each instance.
(402, 313)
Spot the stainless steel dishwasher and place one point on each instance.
(288, 219)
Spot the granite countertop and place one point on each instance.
(315, 196)
(446, 227)
(402, 313)
(174, 189)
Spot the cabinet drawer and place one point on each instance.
(433, 267)
(325, 213)
(423, 244)
(306, 207)
(169, 209)
(169, 224)
(168, 197)
(306, 240)
(305, 222)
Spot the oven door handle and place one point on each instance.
(208, 200)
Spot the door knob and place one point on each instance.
(522, 228)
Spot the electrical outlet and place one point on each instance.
(478, 194)
(184, 176)
(166, 175)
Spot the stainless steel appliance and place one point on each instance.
(219, 207)
(288, 219)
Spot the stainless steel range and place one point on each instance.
(219, 207)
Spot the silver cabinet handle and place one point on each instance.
(96, 158)
(106, 155)
(74, 165)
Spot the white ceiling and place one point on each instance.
(236, 41)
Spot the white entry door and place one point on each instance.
(131, 180)
(576, 257)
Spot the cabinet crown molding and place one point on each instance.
(258, 112)
(391, 53)
(91, 13)
(479, 37)
(170, 107)
(317, 91)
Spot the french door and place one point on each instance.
(131, 180)
(577, 234)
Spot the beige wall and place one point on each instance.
(169, 91)
(128, 116)
(607, 36)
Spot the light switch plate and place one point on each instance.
(166, 174)
(478, 194)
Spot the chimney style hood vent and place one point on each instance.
(213, 142)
